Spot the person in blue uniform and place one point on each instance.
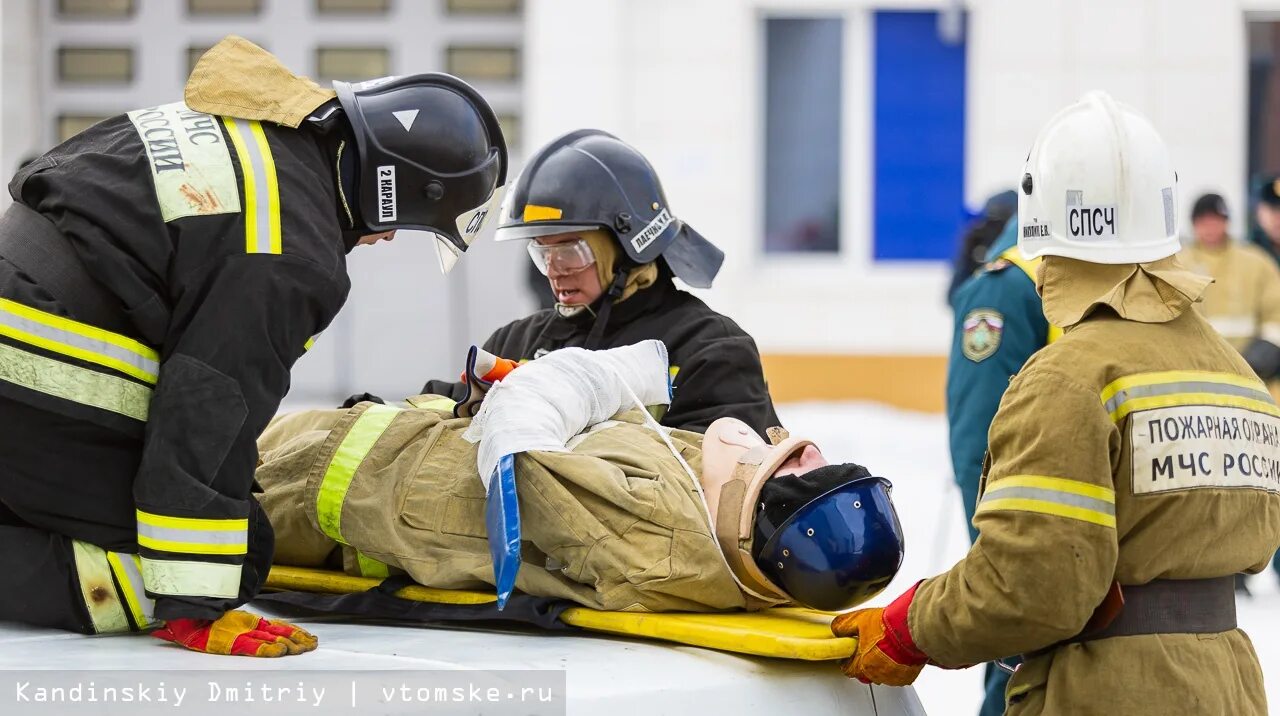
(999, 323)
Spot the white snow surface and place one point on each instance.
(911, 450)
(908, 448)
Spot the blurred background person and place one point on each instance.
(1265, 233)
(1243, 302)
(978, 237)
(999, 324)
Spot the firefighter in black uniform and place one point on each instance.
(602, 232)
(159, 275)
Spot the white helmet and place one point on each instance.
(1099, 186)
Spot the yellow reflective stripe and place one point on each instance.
(193, 523)
(261, 189)
(249, 177)
(193, 535)
(1164, 389)
(195, 579)
(1049, 508)
(310, 342)
(273, 187)
(1029, 266)
(370, 567)
(1057, 484)
(1055, 496)
(78, 340)
(161, 545)
(93, 572)
(1175, 399)
(1179, 376)
(72, 382)
(364, 432)
(128, 570)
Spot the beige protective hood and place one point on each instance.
(1155, 292)
(236, 78)
(735, 465)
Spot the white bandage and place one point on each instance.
(545, 402)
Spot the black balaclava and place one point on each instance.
(782, 496)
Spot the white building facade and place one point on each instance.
(687, 82)
(830, 147)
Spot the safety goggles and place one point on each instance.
(563, 258)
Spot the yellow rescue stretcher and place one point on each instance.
(781, 632)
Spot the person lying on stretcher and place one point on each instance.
(614, 518)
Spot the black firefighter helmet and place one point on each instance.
(589, 179)
(431, 153)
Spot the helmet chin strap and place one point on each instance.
(606, 307)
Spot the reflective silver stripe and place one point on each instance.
(261, 199)
(1037, 493)
(79, 340)
(71, 382)
(194, 579)
(129, 574)
(1147, 391)
(204, 537)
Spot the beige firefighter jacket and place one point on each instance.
(615, 523)
(1139, 446)
(1244, 301)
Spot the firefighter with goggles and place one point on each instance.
(600, 229)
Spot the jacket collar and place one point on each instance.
(643, 301)
(236, 78)
(1155, 292)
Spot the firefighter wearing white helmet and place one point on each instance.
(1133, 466)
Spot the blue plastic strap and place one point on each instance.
(502, 523)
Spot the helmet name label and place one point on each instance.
(651, 231)
(387, 194)
(1089, 222)
(1035, 231)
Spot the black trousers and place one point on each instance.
(64, 479)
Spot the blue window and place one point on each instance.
(919, 138)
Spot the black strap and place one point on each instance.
(34, 245)
(1175, 606)
(381, 603)
(606, 307)
(1169, 606)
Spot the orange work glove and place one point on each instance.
(238, 633)
(495, 367)
(886, 654)
(482, 371)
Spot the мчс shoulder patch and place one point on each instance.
(982, 328)
(190, 163)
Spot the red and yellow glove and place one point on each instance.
(886, 653)
(238, 634)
